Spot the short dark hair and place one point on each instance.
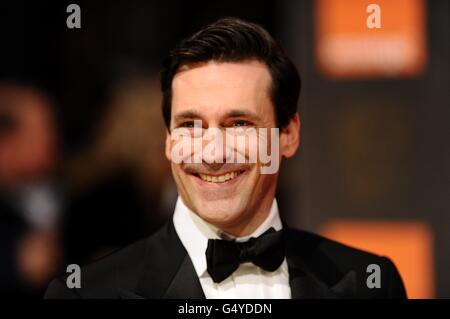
(235, 40)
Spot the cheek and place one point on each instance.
(264, 182)
(243, 145)
(176, 173)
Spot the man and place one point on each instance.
(226, 238)
(30, 196)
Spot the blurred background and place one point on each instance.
(82, 168)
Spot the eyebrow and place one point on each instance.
(241, 113)
(192, 114)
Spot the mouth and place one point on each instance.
(219, 179)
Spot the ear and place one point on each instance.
(168, 148)
(290, 137)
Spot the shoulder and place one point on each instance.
(330, 260)
(313, 244)
(109, 275)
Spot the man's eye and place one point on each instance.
(189, 124)
(239, 123)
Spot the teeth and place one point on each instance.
(219, 179)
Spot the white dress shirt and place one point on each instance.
(248, 281)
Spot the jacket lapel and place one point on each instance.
(168, 271)
(311, 273)
(185, 283)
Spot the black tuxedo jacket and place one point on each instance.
(159, 267)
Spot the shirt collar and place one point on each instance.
(194, 232)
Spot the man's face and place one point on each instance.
(233, 196)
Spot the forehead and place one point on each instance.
(215, 87)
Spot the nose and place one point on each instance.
(214, 147)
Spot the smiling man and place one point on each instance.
(230, 84)
(222, 94)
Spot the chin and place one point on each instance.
(220, 212)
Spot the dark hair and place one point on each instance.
(234, 40)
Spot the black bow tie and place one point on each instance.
(223, 256)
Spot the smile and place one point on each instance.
(220, 178)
